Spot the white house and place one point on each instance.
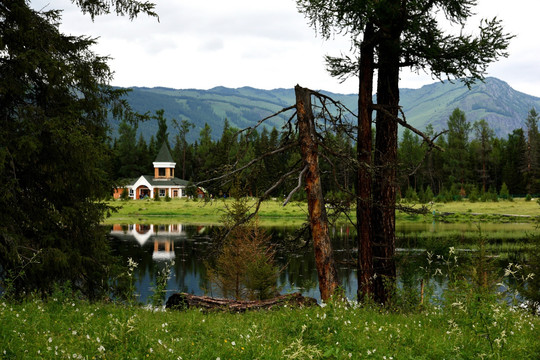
(161, 184)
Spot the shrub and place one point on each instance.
(473, 194)
(244, 267)
(411, 195)
(428, 195)
(124, 195)
(529, 287)
(504, 193)
(160, 286)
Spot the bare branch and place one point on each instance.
(257, 205)
(277, 183)
(300, 176)
(336, 103)
(228, 174)
(429, 150)
(251, 128)
(403, 122)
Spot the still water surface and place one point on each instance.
(151, 246)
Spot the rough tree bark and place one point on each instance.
(385, 161)
(324, 258)
(364, 149)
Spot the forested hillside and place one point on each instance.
(243, 107)
(502, 107)
(476, 162)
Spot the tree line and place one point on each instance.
(475, 164)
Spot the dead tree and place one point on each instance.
(302, 135)
(318, 219)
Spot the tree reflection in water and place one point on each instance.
(152, 245)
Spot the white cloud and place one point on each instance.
(206, 43)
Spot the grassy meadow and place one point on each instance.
(71, 329)
(201, 212)
(272, 212)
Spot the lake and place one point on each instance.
(151, 246)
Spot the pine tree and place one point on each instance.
(54, 113)
(532, 170)
(162, 136)
(484, 135)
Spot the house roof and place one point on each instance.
(150, 180)
(165, 182)
(164, 155)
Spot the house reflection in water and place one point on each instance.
(162, 236)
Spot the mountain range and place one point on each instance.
(504, 108)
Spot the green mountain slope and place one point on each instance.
(243, 107)
(503, 108)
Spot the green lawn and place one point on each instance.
(201, 212)
(71, 329)
(273, 213)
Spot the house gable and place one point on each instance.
(163, 183)
(142, 181)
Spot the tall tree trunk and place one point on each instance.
(324, 258)
(184, 161)
(484, 171)
(364, 148)
(384, 186)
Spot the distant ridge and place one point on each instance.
(504, 108)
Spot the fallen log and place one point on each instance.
(182, 301)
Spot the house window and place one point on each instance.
(161, 172)
(161, 192)
(131, 193)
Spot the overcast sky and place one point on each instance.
(263, 44)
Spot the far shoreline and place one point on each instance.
(272, 212)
